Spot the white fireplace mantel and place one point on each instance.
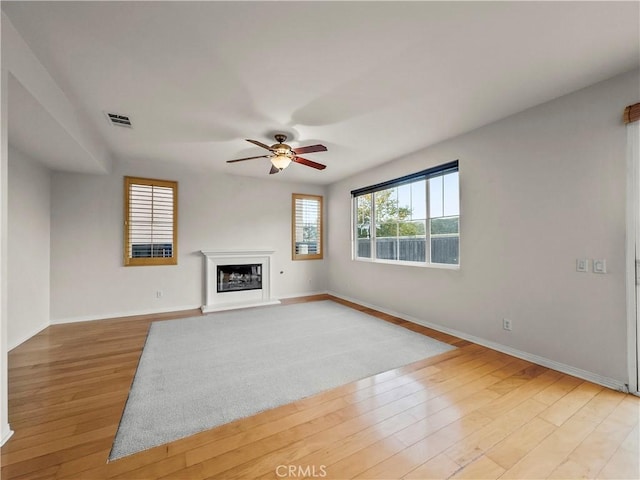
(216, 301)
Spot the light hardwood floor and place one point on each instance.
(469, 413)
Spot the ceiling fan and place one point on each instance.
(281, 154)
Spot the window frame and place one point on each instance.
(149, 261)
(308, 256)
(424, 175)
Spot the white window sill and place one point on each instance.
(442, 266)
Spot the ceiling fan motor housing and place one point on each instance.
(281, 149)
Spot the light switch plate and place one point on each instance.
(599, 266)
(582, 265)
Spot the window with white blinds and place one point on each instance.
(150, 224)
(306, 228)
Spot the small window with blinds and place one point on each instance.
(306, 228)
(150, 222)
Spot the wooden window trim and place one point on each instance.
(314, 256)
(632, 113)
(130, 261)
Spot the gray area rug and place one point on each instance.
(197, 373)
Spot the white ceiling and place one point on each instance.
(33, 130)
(370, 80)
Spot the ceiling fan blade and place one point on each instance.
(273, 170)
(309, 163)
(260, 144)
(310, 149)
(248, 158)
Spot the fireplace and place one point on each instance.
(235, 278)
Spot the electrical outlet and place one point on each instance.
(582, 265)
(158, 293)
(599, 266)
(506, 324)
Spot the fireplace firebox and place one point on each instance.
(234, 278)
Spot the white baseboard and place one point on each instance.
(303, 294)
(530, 357)
(24, 338)
(105, 316)
(6, 434)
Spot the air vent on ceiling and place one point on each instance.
(119, 120)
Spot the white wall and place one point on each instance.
(29, 247)
(538, 190)
(216, 211)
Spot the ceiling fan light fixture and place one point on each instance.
(281, 155)
(281, 161)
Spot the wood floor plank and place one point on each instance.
(82, 464)
(477, 444)
(9, 458)
(557, 447)
(625, 462)
(515, 446)
(435, 441)
(481, 468)
(592, 455)
(564, 408)
(58, 435)
(45, 425)
(516, 396)
(468, 413)
(558, 390)
(56, 458)
(437, 468)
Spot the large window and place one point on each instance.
(415, 218)
(150, 223)
(306, 228)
